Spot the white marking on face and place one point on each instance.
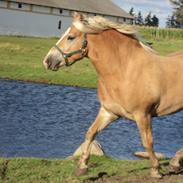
(64, 35)
(54, 52)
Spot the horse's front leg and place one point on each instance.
(144, 124)
(102, 120)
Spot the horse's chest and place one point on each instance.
(113, 102)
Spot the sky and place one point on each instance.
(161, 8)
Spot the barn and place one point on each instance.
(51, 17)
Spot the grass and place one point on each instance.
(21, 59)
(165, 47)
(34, 170)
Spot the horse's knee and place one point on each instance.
(147, 143)
(89, 135)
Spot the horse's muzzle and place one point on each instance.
(52, 62)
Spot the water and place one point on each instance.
(39, 120)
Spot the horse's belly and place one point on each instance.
(170, 103)
(169, 108)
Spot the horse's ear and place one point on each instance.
(78, 16)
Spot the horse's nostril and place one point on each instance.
(51, 62)
(48, 62)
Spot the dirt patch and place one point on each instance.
(3, 169)
(104, 178)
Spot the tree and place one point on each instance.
(178, 11)
(148, 20)
(131, 12)
(171, 22)
(155, 21)
(139, 19)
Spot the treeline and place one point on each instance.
(173, 21)
(149, 20)
(176, 19)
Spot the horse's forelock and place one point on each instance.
(83, 26)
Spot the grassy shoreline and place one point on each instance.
(24, 170)
(21, 59)
(101, 170)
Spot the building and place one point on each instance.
(52, 17)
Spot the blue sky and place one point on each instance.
(161, 8)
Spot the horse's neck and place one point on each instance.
(110, 51)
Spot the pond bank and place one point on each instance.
(102, 169)
(44, 82)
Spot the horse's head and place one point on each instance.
(72, 46)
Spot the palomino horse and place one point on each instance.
(133, 80)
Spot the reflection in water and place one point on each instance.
(40, 120)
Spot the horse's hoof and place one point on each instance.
(81, 171)
(155, 173)
(173, 169)
(174, 164)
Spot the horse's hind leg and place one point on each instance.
(175, 162)
(102, 120)
(144, 124)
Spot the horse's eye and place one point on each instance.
(70, 38)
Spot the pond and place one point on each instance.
(49, 121)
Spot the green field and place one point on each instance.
(163, 33)
(21, 59)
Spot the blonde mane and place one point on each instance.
(98, 24)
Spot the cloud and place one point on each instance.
(136, 2)
(157, 3)
(145, 3)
